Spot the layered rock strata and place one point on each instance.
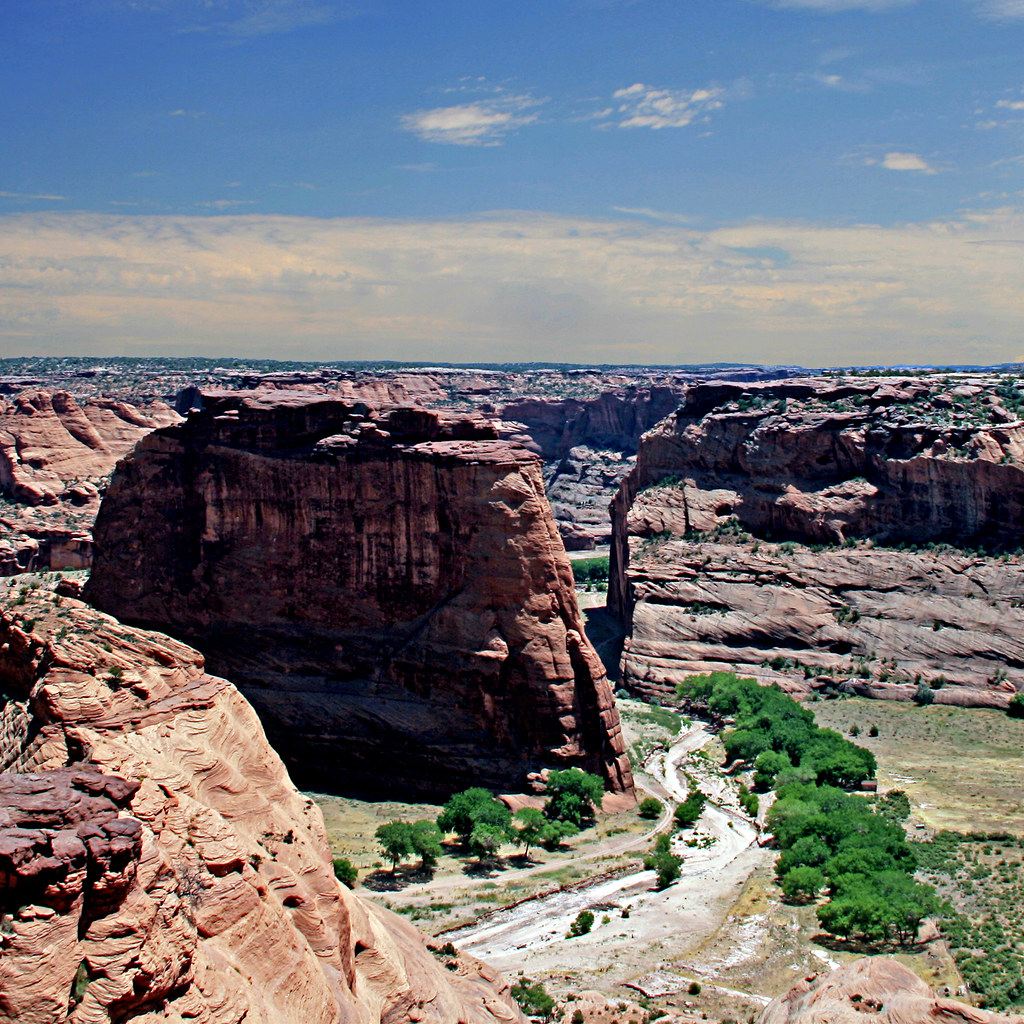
(767, 530)
(55, 457)
(873, 990)
(157, 863)
(390, 592)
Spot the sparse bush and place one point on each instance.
(582, 925)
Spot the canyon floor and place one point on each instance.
(723, 924)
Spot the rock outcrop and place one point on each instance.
(861, 534)
(55, 458)
(873, 990)
(391, 593)
(157, 863)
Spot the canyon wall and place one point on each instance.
(156, 862)
(55, 457)
(588, 444)
(390, 592)
(859, 534)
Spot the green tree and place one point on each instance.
(583, 923)
(465, 810)
(687, 813)
(395, 841)
(573, 795)
(767, 766)
(529, 824)
(345, 871)
(552, 834)
(486, 838)
(426, 842)
(802, 884)
(1015, 709)
(650, 807)
(667, 866)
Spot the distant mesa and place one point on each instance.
(389, 591)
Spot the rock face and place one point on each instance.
(587, 445)
(873, 990)
(390, 593)
(157, 863)
(55, 458)
(759, 531)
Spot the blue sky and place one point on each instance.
(820, 181)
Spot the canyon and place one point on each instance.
(377, 562)
(389, 590)
(859, 535)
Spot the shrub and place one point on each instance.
(345, 871)
(650, 807)
(694, 988)
(583, 923)
(1015, 708)
(533, 999)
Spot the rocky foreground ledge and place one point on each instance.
(865, 534)
(389, 590)
(873, 990)
(156, 862)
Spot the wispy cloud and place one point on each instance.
(1011, 104)
(484, 122)
(946, 291)
(1001, 10)
(225, 204)
(829, 6)
(30, 195)
(643, 106)
(244, 19)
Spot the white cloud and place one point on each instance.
(903, 162)
(1011, 104)
(642, 106)
(513, 287)
(485, 122)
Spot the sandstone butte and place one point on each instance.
(389, 591)
(761, 528)
(873, 990)
(55, 457)
(156, 862)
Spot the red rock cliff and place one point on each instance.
(391, 594)
(757, 532)
(172, 871)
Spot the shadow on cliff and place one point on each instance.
(607, 635)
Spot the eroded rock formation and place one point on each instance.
(766, 529)
(391, 593)
(872, 990)
(55, 458)
(157, 863)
